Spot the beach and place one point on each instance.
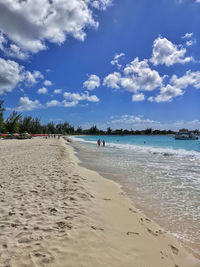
(54, 212)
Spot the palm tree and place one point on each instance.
(12, 122)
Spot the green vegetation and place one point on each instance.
(15, 123)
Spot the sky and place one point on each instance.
(111, 63)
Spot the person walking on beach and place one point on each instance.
(104, 142)
(98, 142)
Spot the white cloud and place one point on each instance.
(11, 73)
(47, 83)
(177, 85)
(165, 52)
(31, 78)
(167, 93)
(112, 80)
(115, 61)
(139, 76)
(151, 99)
(92, 83)
(138, 97)
(189, 79)
(69, 104)
(101, 4)
(29, 24)
(3, 41)
(136, 76)
(80, 97)
(190, 43)
(53, 103)
(57, 91)
(42, 90)
(26, 104)
(15, 52)
(188, 35)
(134, 121)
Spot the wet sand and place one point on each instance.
(55, 213)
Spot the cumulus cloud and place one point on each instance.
(177, 86)
(31, 78)
(189, 79)
(26, 104)
(53, 103)
(112, 80)
(70, 104)
(42, 91)
(57, 91)
(168, 92)
(138, 97)
(11, 73)
(139, 76)
(136, 76)
(115, 61)
(167, 53)
(92, 83)
(80, 97)
(29, 24)
(47, 83)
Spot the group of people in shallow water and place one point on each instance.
(99, 142)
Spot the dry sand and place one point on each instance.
(55, 213)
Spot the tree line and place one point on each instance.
(15, 123)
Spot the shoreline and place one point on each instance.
(124, 198)
(127, 187)
(57, 213)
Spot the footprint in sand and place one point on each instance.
(132, 233)
(64, 225)
(107, 199)
(97, 228)
(163, 255)
(151, 232)
(174, 249)
(42, 257)
(24, 240)
(134, 211)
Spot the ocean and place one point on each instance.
(159, 174)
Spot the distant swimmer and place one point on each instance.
(98, 142)
(104, 142)
(144, 142)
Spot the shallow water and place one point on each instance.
(162, 177)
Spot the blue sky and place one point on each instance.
(130, 64)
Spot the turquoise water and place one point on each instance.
(161, 176)
(152, 142)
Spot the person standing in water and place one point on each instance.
(98, 142)
(104, 142)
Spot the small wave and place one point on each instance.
(79, 139)
(166, 152)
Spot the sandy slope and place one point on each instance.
(55, 213)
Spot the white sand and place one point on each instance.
(56, 213)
